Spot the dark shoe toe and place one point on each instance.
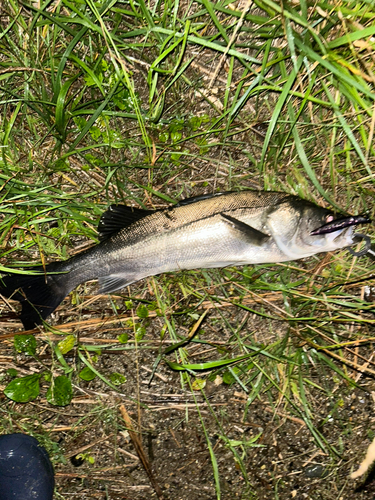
(26, 472)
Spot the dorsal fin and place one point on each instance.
(116, 217)
(201, 197)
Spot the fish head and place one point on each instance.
(313, 218)
(295, 225)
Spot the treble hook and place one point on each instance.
(364, 250)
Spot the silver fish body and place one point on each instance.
(247, 227)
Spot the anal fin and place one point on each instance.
(114, 282)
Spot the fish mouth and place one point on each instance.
(340, 224)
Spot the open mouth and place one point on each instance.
(342, 223)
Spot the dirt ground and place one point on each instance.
(284, 462)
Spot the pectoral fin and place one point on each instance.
(252, 235)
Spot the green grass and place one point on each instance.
(116, 102)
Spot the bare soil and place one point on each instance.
(285, 462)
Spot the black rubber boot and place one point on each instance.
(26, 472)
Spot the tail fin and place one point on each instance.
(39, 294)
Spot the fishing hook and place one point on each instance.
(364, 250)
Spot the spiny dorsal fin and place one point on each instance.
(117, 217)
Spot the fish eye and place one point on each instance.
(329, 218)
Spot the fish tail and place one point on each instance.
(39, 294)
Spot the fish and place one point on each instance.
(208, 231)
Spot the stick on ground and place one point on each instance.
(140, 452)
